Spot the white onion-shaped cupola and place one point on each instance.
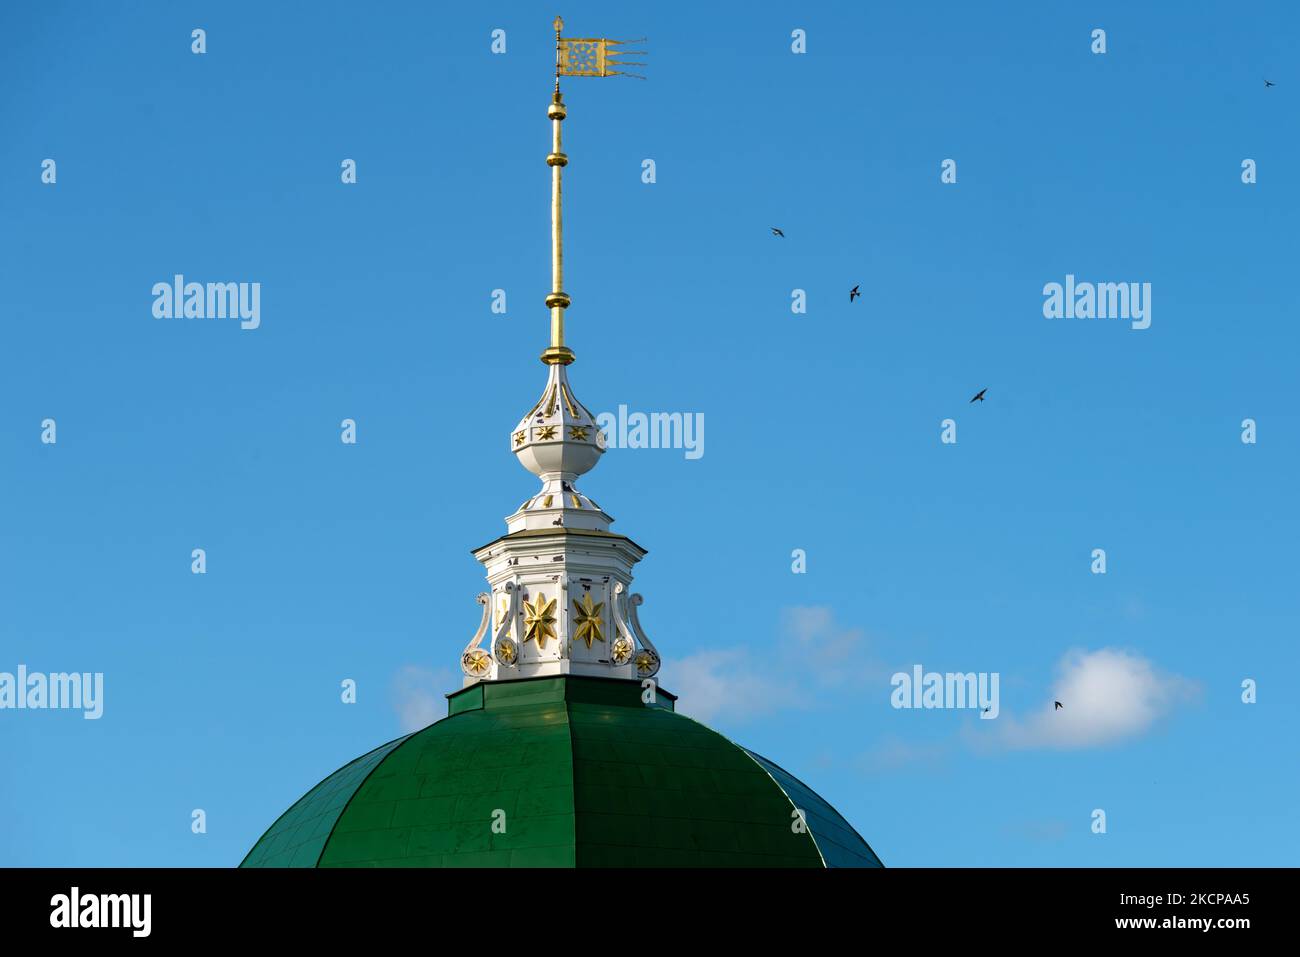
(558, 440)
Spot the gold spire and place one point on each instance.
(558, 300)
(574, 56)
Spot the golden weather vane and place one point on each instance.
(574, 56)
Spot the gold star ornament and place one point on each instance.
(646, 662)
(476, 663)
(622, 651)
(506, 651)
(589, 627)
(539, 620)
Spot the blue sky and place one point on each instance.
(328, 561)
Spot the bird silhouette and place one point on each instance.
(1058, 707)
(1269, 83)
(854, 294)
(777, 232)
(980, 396)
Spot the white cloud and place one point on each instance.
(726, 683)
(418, 696)
(809, 625)
(742, 683)
(1106, 696)
(806, 622)
(815, 644)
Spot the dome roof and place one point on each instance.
(558, 434)
(560, 771)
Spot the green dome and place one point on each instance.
(560, 772)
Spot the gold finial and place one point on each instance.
(574, 56)
(558, 300)
(559, 46)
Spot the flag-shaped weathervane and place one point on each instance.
(591, 56)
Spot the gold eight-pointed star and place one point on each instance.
(539, 620)
(589, 627)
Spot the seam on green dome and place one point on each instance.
(356, 790)
(768, 763)
(774, 781)
(313, 788)
(573, 771)
(362, 783)
(786, 794)
(446, 764)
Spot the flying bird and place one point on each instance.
(777, 232)
(980, 397)
(1058, 707)
(854, 294)
(1269, 83)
